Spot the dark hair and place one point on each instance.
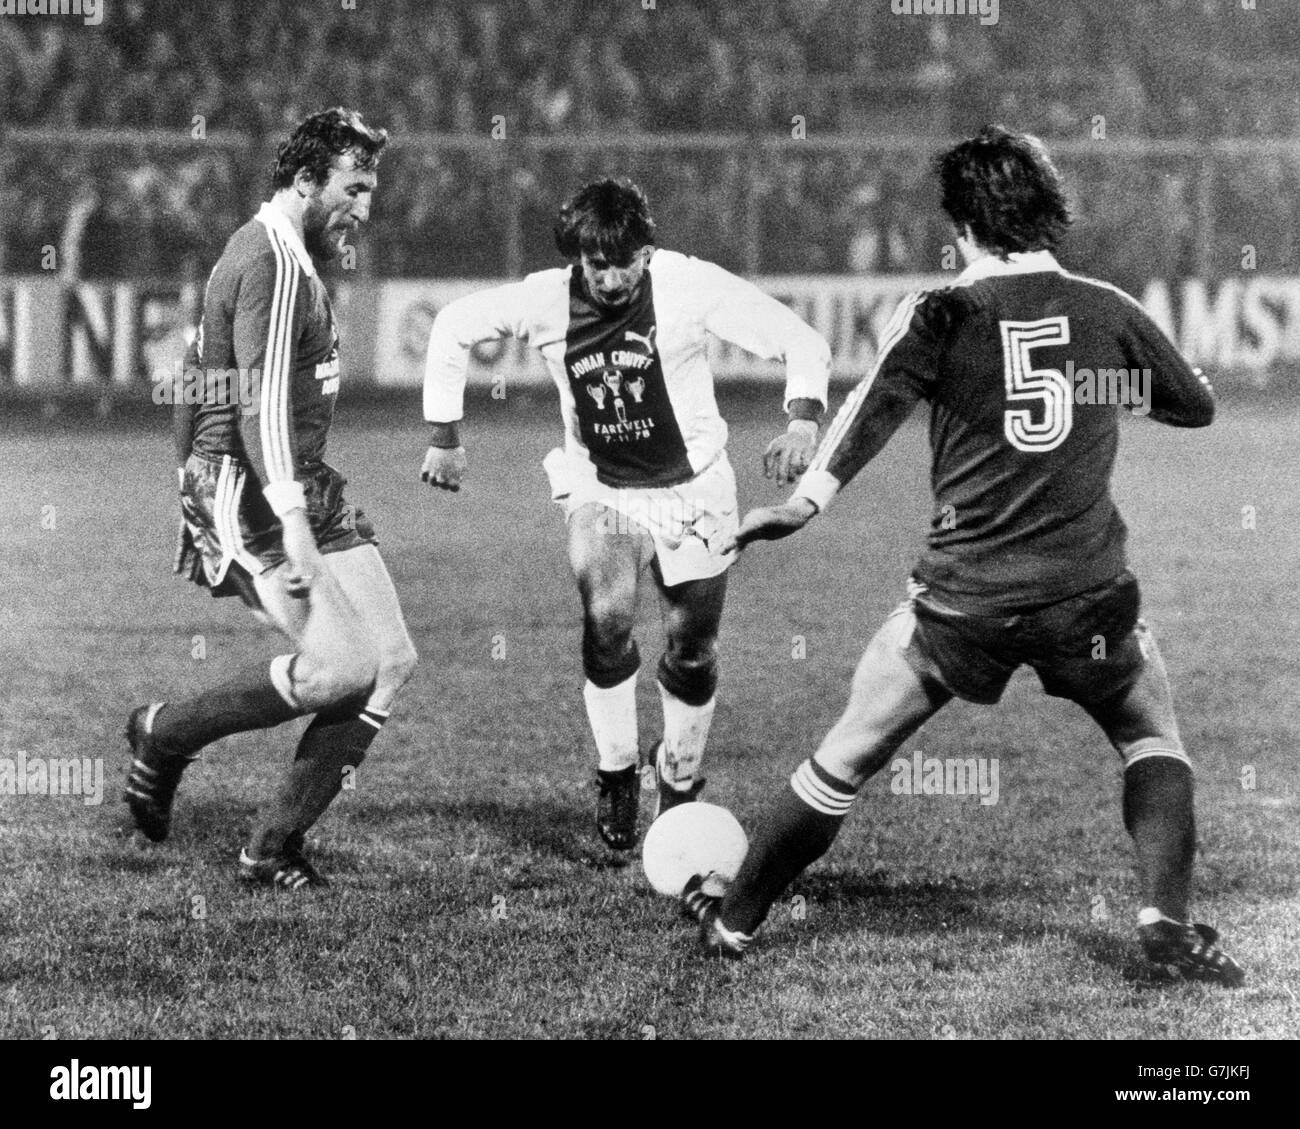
(607, 217)
(1005, 186)
(317, 140)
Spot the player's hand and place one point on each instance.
(302, 558)
(771, 523)
(444, 467)
(788, 455)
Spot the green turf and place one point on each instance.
(470, 897)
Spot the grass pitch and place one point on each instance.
(471, 897)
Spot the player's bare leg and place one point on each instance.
(166, 737)
(351, 655)
(607, 555)
(334, 655)
(1158, 787)
(688, 679)
(888, 702)
(1160, 816)
(368, 588)
(357, 615)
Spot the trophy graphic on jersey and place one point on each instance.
(611, 388)
(614, 382)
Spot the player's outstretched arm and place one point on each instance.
(487, 315)
(1177, 394)
(740, 313)
(877, 407)
(771, 523)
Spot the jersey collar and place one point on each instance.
(1017, 262)
(277, 221)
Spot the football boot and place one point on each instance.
(702, 906)
(618, 802)
(152, 777)
(1191, 950)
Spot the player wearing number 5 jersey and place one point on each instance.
(1024, 367)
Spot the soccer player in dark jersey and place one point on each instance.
(643, 478)
(265, 517)
(1026, 561)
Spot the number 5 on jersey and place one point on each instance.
(1046, 387)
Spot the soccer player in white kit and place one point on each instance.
(643, 476)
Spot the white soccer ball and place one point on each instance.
(689, 839)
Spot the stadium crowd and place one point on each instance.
(549, 68)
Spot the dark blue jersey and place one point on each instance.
(1025, 368)
(269, 343)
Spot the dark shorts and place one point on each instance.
(235, 534)
(1086, 648)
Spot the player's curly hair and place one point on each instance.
(1005, 186)
(608, 217)
(317, 140)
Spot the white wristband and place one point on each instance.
(819, 487)
(285, 496)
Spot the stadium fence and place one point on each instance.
(106, 237)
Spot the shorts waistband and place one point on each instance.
(302, 473)
(951, 607)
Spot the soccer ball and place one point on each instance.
(689, 839)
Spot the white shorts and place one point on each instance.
(686, 522)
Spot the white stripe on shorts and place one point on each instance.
(225, 517)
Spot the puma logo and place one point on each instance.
(648, 339)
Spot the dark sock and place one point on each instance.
(796, 831)
(694, 682)
(248, 701)
(335, 742)
(604, 668)
(1159, 815)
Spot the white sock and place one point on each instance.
(612, 713)
(686, 730)
(1149, 915)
